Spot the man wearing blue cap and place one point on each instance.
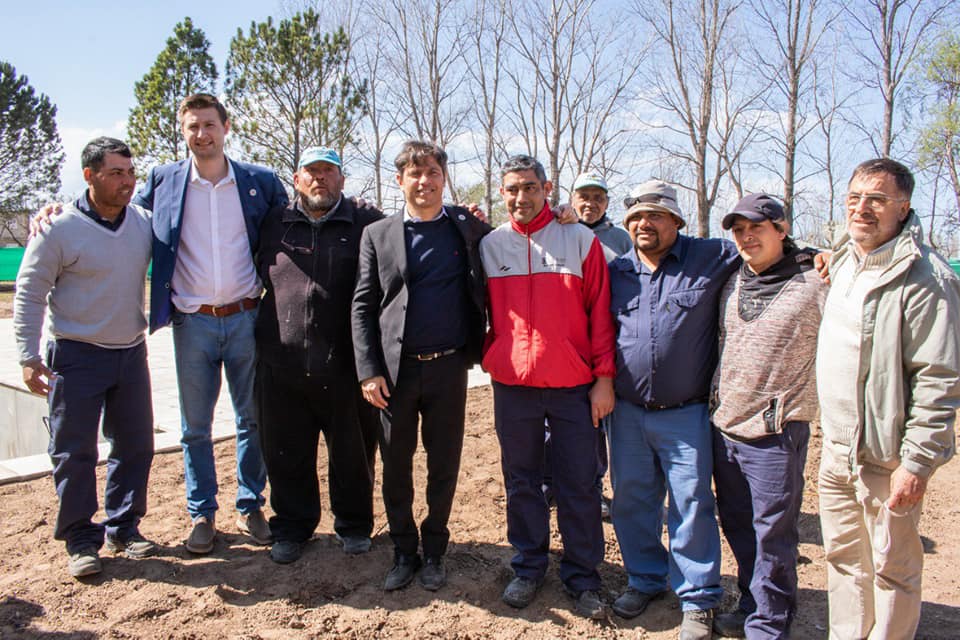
(763, 397)
(306, 379)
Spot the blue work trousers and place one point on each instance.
(91, 381)
(759, 494)
(655, 453)
(519, 413)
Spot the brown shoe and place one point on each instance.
(202, 536)
(255, 525)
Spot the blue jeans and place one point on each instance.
(759, 494)
(652, 454)
(202, 344)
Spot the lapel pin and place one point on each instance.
(253, 193)
(462, 217)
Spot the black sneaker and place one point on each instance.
(402, 573)
(520, 592)
(730, 625)
(632, 603)
(433, 575)
(286, 551)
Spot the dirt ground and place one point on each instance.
(238, 593)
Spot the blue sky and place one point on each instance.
(86, 56)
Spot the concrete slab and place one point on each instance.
(166, 407)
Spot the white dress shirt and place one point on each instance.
(214, 263)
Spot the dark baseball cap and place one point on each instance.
(755, 207)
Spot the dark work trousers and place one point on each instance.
(759, 493)
(434, 391)
(519, 413)
(91, 381)
(293, 410)
(602, 459)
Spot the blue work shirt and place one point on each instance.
(667, 321)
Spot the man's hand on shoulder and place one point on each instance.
(821, 261)
(375, 391)
(37, 377)
(565, 214)
(40, 222)
(601, 399)
(906, 488)
(475, 209)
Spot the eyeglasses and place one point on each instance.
(871, 200)
(294, 248)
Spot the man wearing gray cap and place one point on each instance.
(762, 400)
(306, 379)
(664, 296)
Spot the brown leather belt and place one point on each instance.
(229, 309)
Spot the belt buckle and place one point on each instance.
(215, 311)
(427, 357)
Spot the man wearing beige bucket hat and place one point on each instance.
(665, 296)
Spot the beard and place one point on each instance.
(318, 204)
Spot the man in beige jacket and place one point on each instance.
(888, 378)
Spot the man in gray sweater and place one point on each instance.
(89, 268)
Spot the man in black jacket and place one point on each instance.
(418, 322)
(306, 378)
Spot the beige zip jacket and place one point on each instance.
(909, 358)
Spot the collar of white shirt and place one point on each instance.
(196, 179)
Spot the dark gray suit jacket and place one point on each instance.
(379, 311)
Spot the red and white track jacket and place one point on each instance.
(549, 298)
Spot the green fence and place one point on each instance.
(10, 258)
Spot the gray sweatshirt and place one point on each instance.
(92, 278)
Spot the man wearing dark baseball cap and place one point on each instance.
(763, 398)
(664, 296)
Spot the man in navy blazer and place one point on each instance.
(207, 212)
(418, 320)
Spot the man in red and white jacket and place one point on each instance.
(550, 353)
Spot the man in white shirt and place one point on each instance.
(207, 214)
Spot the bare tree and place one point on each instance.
(427, 62)
(794, 29)
(693, 43)
(485, 53)
(894, 34)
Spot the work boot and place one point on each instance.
(255, 525)
(201, 537)
(730, 625)
(632, 603)
(697, 624)
(136, 546)
(84, 562)
(286, 551)
(520, 592)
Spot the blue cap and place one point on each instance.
(319, 154)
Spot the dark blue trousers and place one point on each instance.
(91, 381)
(519, 413)
(759, 493)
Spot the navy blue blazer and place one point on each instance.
(164, 194)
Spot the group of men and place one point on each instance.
(700, 360)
